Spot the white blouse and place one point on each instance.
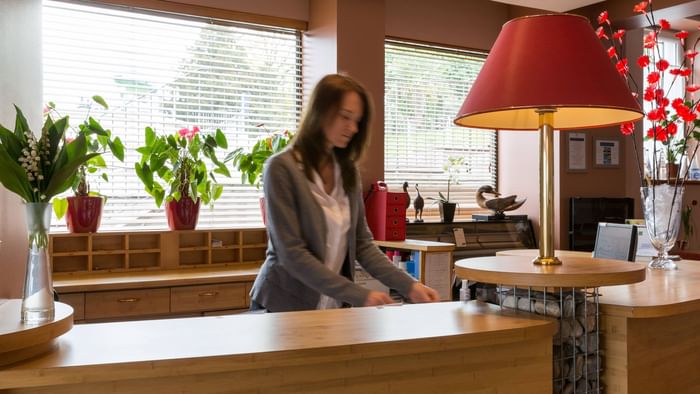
(336, 209)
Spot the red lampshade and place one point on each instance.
(548, 61)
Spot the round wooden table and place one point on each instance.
(20, 341)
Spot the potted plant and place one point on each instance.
(177, 160)
(250, 164)
(37, 169)
(83, 210)
(447, 208)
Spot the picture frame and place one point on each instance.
(577, 159)
(607, 153)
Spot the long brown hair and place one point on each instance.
(310, 140)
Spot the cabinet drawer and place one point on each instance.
(208, 297)
(76, 301)
(124, 303)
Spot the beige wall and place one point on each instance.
(20, 84)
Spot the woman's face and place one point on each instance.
(342, 126)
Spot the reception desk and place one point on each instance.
(650, 331)
(448, 347)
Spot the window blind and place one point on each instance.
(168, 72)
(424, 89)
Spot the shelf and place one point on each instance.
(254, 246)
(193, 248)
(106, 252)
(69, 254)
(225, 247)
(137, 251)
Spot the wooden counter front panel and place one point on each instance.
(124, 303)
(208, 297)
(77, 302)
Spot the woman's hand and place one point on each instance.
(422, 293)
(378, 298)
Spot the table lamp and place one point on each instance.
(548, 72)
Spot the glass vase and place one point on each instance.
(662, 213)
(37, 297)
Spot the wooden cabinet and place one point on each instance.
(128, 275)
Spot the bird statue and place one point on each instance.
(499, 204)
(418, 204)
(408, 197)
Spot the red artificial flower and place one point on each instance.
(641, 7)
(183, 132)
(692, 88)
(671, 129)
(677, 102)
(685, 72)
(627, 128)
(619, 34)
(662, 65)
(664, 24)
(658, 133)
(682, 35)
(600, 32)
(643, 61)
(650, 40)
(612, 52)
(687, 115)
(621, 67)
(675, 71)
(653, 77)
(662, 102)
(649, 93)
(656, 114)
(690, 54)
(603, 18)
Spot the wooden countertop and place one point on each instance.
(161, 348)
(416, 244)
(662, 293)
(76, 282)
(573, 272)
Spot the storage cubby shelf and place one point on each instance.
(154, 250)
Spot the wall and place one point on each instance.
(19, 85)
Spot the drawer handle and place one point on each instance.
(209, 294)
(131, 299)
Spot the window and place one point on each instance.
(169, 72)
(424, 89)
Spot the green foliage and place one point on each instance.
(98, 140)
(453, 168)
(175, 162)
(250, 164)
(39, 169)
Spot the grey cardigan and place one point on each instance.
(293, 275)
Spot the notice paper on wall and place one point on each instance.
(437, 274)
(460, 240)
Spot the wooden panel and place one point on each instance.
(110, 304)
(69, 263)
(72, 243)
(139, 241)
(108, 242)
(77, 302)
(208, 297)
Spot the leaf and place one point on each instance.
(21, 124)
(96, 127)
(150, 136)
(97, 161)
(218, 190)
(117, 148)
(13, 176)
(60, 180)
(159, 194)
(105, 177)
(172, 142)
(145, 175)
(99, 100)
(60, 206)
(221, 139)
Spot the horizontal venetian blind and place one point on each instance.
(168, 72)
(424, 89)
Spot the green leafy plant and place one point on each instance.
(98, 140)
(453, 167)
(39, 169)
(250, 164)
(178, 161)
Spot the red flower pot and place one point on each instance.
(183, 214)
(84, 214)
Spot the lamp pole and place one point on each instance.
(546, 129)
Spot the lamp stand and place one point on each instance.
(546, 128)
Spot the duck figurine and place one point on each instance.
(499, 204)
(418, 205)
(408, 197)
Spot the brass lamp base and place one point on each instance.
(546, 261)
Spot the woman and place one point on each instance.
(315, 212)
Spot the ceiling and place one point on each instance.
(551, 5)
